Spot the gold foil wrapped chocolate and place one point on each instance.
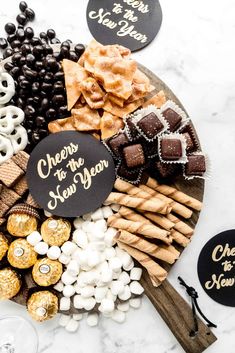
(47, 272)
(42, 305)
(21, 254)
(10, 283)
(55, 231)
(3, 246)
(22, 220)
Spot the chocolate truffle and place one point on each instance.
(171, 149)
(134, 156)
(21, 254)
(189, 142)
(151, 125)
(55, 231)
(196, 165)
(22, 220)
(47, 272)
(118, 141)
(43, 305)
(3, 246)
(9, 283)
(173, 119)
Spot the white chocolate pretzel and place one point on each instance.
(18, 138)
(6, 149)
(10, 117)
(7, 87)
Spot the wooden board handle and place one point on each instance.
(177, 314)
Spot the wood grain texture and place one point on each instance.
(170, 305)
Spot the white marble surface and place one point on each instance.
(194, 54)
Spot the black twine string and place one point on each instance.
(195, 307)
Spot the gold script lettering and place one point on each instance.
(219, 282)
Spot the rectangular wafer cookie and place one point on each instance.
(10, 173)
(21, 159)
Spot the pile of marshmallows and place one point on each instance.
(99, 278)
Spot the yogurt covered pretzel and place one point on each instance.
(18, 138)
(10, 117)
(7, 87)
(6, 149)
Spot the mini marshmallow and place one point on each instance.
(97, 215)
(109, 253)
(76, 254)
(109, 235)
(87, 291)
(68, 291)
(93, 258)
(34, 238)
(124, 277)
(41, 248)
(136, 273)
(129, 266)
(106, 306)
(118, 316)
(117, 274)
(73, 268)
(54, 252)
(77, 288)
(86, 226)
(102, 225)
(82, 260)
(68, 248)
(89, 303)
(126, 294)
(100, 293)
(123, 306)
(106, 275)
(72, 325)
(135, 303)
(92, 276)
(64, 259)
(115, 264)
(103, 266)
(77, 317)
(65, 304)
(97, 245)
(110, 295)
(66, 278)
(59, 286)
(78, 223)
(80, 238)
(81, 279)
(64, 319)
(107, 212)
(136, 288)
(117, 287)
(92, 319)
(115, 207)
(48, 214)
(78, 302)
(87, 217)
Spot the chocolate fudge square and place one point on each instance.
(151, 125)
(171, 149)
(134, 156)
(173, 119)
(118, 141)
(196, 165)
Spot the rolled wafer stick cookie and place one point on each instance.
(181, 226)
(159, 219)
(148, 230)
(172, 249)
(124, 186)
(132, 216)
(155, 205)
(155, 271)
(145, 246)
(176, 206)
(175, 194)
(179, 238)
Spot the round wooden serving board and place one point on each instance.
(171, 306)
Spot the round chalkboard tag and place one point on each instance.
(131, 23)
(216, 268)
(70, 173)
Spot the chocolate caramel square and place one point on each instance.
(171, 149)
(151, 125)
(134, 156)
(173, 119)
(196, 165)
(118, 141)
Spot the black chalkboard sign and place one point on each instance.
(216, 268)
(131, 23)
(70, 173)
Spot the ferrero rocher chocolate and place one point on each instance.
(3, 246)
(22, 220)
(42, 305)
(21, 254)
(55, 231)
(9, 283)
(47, 272)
